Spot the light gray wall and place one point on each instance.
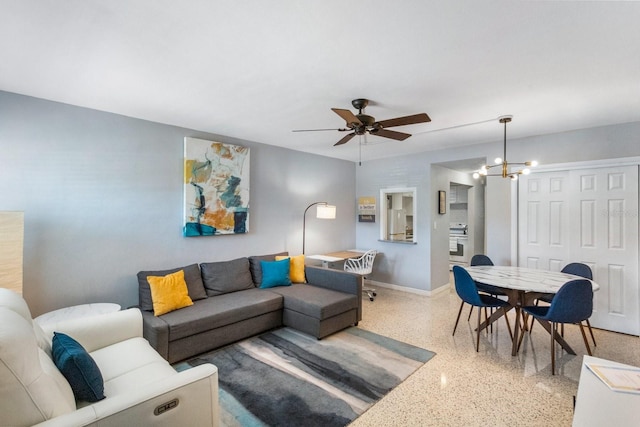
(425, 265)
(398, 263)
(440, 180)
(102, 196)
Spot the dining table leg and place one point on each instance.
(515, 298)
(559, 339)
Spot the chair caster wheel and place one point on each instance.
(375, 295)
(371, 299)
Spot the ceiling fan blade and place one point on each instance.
(385, 133)
(345, 139)
(407, 120)
(317, 130)
(347, 116)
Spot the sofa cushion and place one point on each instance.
(78, 367)
(130, 364)
(226, 276)
(169, 292)
(296, 268)
(256, 269)
(220, 311)
(316, 302)
(191, 276)
(275, 273)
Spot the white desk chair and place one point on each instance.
(364, 266)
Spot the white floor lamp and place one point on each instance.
(323, 211)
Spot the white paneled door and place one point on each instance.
(588, 216)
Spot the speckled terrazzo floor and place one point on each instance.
(460, 387)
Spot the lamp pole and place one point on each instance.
(304, 221)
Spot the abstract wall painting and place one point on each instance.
(216, 188)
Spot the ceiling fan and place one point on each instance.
(361, 123)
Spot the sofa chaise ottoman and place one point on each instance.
(229, 305)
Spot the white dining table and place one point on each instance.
(522, 286)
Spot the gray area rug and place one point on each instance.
(287, 378)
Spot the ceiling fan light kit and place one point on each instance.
(361, 123)
(502, 162)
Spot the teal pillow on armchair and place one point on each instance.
(78, 368)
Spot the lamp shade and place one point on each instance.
(326, 212)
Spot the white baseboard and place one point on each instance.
(373, 283)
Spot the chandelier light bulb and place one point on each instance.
(526, 171)
(476, 175)
(514, 177)
(483, 171)
(498, 160)
(534, 163)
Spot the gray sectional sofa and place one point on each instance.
(229, 305)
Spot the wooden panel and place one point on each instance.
(587, 223)
(556, 225)
(616, 182)
(533, 262)
(615, 231)
(556, 264)
(587, 183)
(556, 185)
(616, 290)
(533, 220)
(11, 248)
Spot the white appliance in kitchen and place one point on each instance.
(459, 250)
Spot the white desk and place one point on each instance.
(597, 405)
(336, 256)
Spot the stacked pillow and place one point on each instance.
(78, 367)
(282, 272)
(296, 268)
(275, 273)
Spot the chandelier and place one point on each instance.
(502, 162)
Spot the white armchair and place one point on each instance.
(141, 388)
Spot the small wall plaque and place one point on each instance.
(442, 202)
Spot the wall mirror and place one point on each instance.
(398, 215)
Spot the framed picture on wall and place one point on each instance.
(216, 188)
(442, 202)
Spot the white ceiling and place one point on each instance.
(256, 70)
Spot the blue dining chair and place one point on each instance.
(577, 269)
(480, 259)
(468, 292)
(573, 303)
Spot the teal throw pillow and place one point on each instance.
(78, 367)
(275, 273)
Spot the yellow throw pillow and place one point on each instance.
(296, 268)
(169, 292)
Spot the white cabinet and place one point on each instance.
(458, 194)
